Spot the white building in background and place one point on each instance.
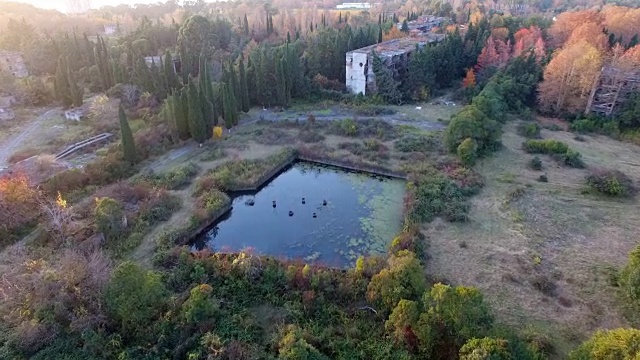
(110, 29)
(344, 6)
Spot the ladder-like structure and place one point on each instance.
(612, 88)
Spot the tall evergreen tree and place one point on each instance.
(244, 90)
(227, 106)
(245, 25)
(405, 26)
(128, 144)
(75, 91)
(182, 113)
(380, 34)
(387, 86)
(61, 83)
(206, 97)
(234, 87)
(169, 71)
(197, 124)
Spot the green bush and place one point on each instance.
(548, 146)
(435, 195)
(573, 159)
(619, 344)
(543, 178)
(535, 163)
(467, 151)
(453, 315)
(485, 349)
(200, 306)
(108, 217)
(135, 297)
(348, 127)
(610, 182)
(175, 179)
(629, 279)
(472, 123)
(530, 131)
(595, 125)
(404, 279)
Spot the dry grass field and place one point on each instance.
(544, 254)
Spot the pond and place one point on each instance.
(344, 215)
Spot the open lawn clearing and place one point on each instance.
(543, 253)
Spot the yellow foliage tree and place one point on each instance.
(217, 132)
(569, 77)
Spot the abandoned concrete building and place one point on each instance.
(424, 23)
(395, 54)
(12, 63)
(159, 60)
(611, 89)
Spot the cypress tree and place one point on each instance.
(244, 89)
(281, 86)
(61, 83)
(405, 26)
(169, 71)
(197, 125)
(205, 96)
(380, 19)
(288, 37)
(379, 34)
(227, 106)
(184, 63)
(340, 17)
(128, 145)
(633, 42)
(182, 113)
(245, 25)
(234, 87)
(75, 91)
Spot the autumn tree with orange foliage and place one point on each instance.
(394, 33)
(591, 33)
(494, 55)
(469, 80)
(567, 22)
(569, 77)
(527, 39)
(622, 21)
(19, 206)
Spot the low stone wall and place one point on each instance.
(353, 167)
(268, 175)
(212, 219)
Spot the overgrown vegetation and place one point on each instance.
(440, 191)
(610, 182)
(557, 149)
(175, 179)
(241, 174)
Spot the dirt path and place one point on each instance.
(10, 146)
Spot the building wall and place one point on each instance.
(12, 63)
(357, 66)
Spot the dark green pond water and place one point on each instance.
(361, 216)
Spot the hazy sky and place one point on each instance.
(62, 5)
